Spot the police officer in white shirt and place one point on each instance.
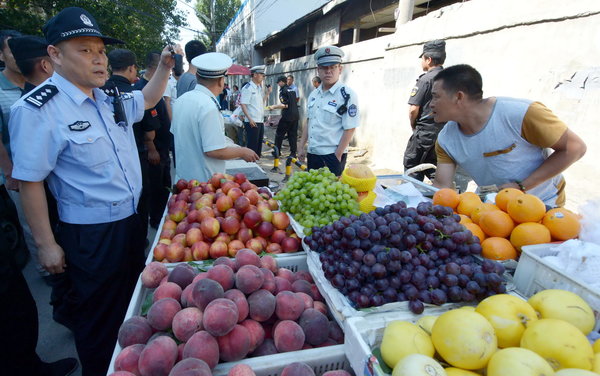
(332, 115)
(252, 101)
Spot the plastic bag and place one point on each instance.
(590, 222)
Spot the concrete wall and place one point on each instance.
(546, 50)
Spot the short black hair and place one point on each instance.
(290, 76)
(152, 59)
(317, 78)
(5, 34)
(463, 78)
(121, 58)
(436, 57)
(27, 66)
(193, 49)
(281, 79)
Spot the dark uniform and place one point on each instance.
(421, 145)
(159, 176)
(289, 120)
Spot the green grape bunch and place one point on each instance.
(317, 198)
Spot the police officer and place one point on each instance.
(252, 101)
(288, 124)
(421, 145)
(332, 115)
(198, 126)
(31, 56)
(84, 145)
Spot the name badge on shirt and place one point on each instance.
(332, 103)
(79, 126)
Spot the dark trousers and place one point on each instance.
(103, 263)
(421, 149)
(254, 137)
(291, 129)
(330, 161)
(160, 182)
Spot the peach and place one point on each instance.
(270, 286)
(301, 285)
(308, 301)
(320, 306)
(266, 348)
(226, 261)
(305, 275)
(205, 291)
(241, 370)
(180, 348)
(153, 273)
(220, 317)
(182, 274)
(247, 257)
(297, 369)
(135, 330)
(199, 276)
(316, 294)
(267, 274)
(288, 336)
(186, 296)
(191, 367)
(335, 332)
(282, 284)
(269, 262)
(128, 358)
(315, 326)
(289, 306)
(202, 346)
(240, 301)
(234, 345)
(262, 305)
(223, 274)
(167, 290)
(248, 279)
(161, 313)
(187, 322)
(287, 274)
(257, 333)
(158, 357)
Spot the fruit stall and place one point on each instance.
(363, 275)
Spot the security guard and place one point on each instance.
(84, 146)
(421, 145)
(332, 115)
(252, 101)
(198, 126)
(288, 124)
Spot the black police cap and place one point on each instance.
(434, 48)
(28, 47)
(74, 22)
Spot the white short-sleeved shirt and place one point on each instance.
(171, 89)
(252, 97)
(325, 125)
(198, 127)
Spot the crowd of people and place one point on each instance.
(86, 157)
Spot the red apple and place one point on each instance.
(252, 218)
(224, 203)
(242, 204)
(184, 195)
(244, 234)
(210, 227)
(265, 213)
(289, 245)
(175, 252)
(230, 225)
(234, 247)
(215, 180)
(252, 196)
(232, 213)
(195, 189)
(181, 185)
(274, 248)
(195, 196)
(193, 183)
(227, 186)
(205, 212)
(265, 229)
(187, 254)
(177, 215)
(182, 227)
(200, 251)
(179, 238)
(281, 220)
(262, 241)
(239, 178)
(192, 236)
(245, 186)
(235, 193)
(255, 245)
(218, 249)
(169, 224)
(160, 251)
(217, 213)
(278, 236)
(208, 188)
(273, 204)
(223, 237)
(193, 216)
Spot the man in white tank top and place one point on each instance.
(500, 140)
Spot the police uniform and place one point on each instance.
(330, 113)
(288, 124)
(198, 126)
(421, 145)
(85, 148)
(252, 95)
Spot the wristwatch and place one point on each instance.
(520, 184)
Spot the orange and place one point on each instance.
(562, 223)
(468, 202)
(464, 219)
(506, 195)
(496, 223)
(526, 208)
(529, 233)
(446, 197)
(496, 248)
(475, 230)
(476, 213)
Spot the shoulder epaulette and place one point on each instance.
(110, 91)
(41, 95)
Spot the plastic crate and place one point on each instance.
(293, 263)
(534, 274)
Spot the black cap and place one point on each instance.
(121, 58)
(434, 48)
(74, 22)
(28, 47)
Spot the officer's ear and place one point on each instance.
(54, 53)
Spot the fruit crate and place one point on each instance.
(140, 294)
(534, 274)
(340, 307)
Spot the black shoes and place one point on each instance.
(62, 367)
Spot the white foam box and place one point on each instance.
(534, 274)
(140, 294)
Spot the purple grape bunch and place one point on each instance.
(422, 255)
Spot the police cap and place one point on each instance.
(329, 55)
(74, 22)
(258, 69)
(212, 64)
(434, 48)
(28, 47)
